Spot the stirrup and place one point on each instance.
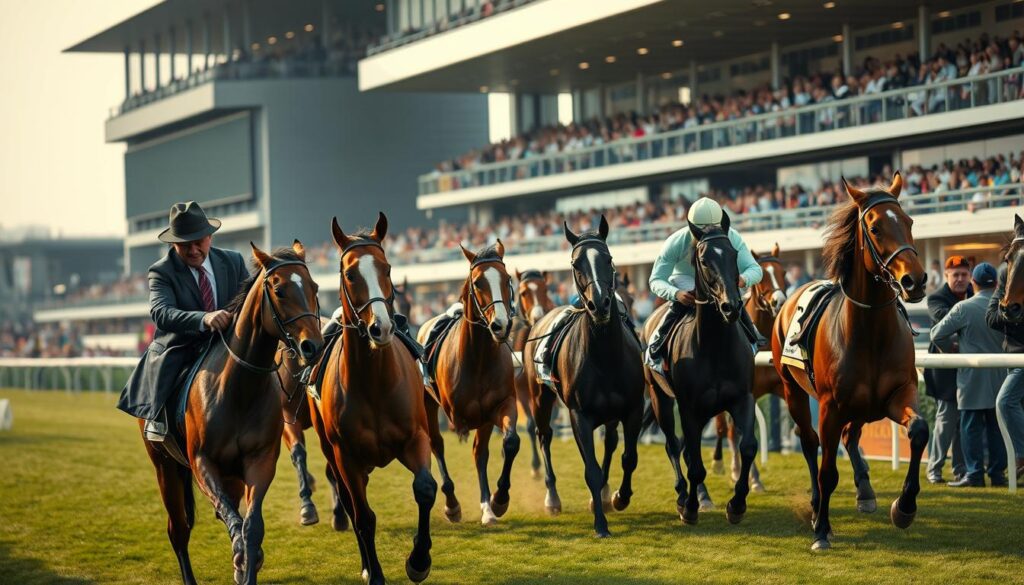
(155, 430)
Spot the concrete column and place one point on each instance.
(513, 113)
(142, 66)
(693, 80)
(809, 262)
(924, 32)
(641, 94)
(390, 12)
(172, 51)
(127, 73)
(602, 101)
(226, 45)
(246, 26)
(188, 47)
(847, 50)
(325, 24)
(776, 65)
(206, 42)
(156, 60)
(577, 105)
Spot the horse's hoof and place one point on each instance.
(499, 508)
(552, 504)
(717, 467)
(900, 519)
(453, 515)
(734, 518)
(365, 575)
(340, 522)
(308, 515)
(706, 505)
(821, 544)
(603, 533)
(415, 575)
(239, 577)
(688, 516)
(535, 473)
(487, 517)
(757, 487)
(619, 501)
(867, 506)
(553, 510)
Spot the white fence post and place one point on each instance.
(762, 427)
(1011, 455)
(895, 445)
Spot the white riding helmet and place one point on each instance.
(705, 212)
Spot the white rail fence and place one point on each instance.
(23, 372)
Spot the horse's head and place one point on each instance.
(714, 259)
(366, 292)
(884, 231)
(488, 293)
(403, 298)
(1011, 306)
(289, 308)
(593, 271)
(534, 301)
(770, 293)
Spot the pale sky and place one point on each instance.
(55, 169)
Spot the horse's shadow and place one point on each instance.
(17, 569)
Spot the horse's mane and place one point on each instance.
(837, 253)
(235, 306)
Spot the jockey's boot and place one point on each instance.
(653, 356)
(334, 325)
(753, 334)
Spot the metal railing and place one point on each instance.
(450, 22)
(898, 104)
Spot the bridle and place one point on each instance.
(883, 275)
(525, 277)
(759, 299)
(478, 317)
(703, 279)
(361, 325)
(601, 246)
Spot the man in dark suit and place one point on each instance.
(188, 289)
(941, 384)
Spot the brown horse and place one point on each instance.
(532, 303)
(232, 426)
(371, 410)
(474, 381)
(863, 352)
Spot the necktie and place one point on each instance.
(205, 290)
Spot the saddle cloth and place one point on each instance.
(174, 443)
(438, 332)
(810, 306)
(547, 350)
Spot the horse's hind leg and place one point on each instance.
(176, 491)
(799, 407)
(424, 489)
(481, 454)
(542, 416)
(734, 451)
(721, 429)
(307, 509)
(509, 450)
(258, 476)
(743, 420)
(225, 498)
(611, 443)
(904, 508)
(452, 508)
(695, 470)
(583, 429)
(866, 501)
(665, 416)
(339, 520)
(631, 427)
(523, 398)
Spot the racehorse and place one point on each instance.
(532, 303)
(403, 302)
(598, 371)
(232, 424)
(863, 352)
(711, 370)
(371, 409)
(473, 380)
(1011, 305)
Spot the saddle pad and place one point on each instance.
(551, 344)
(316, 378)
(438, 332)
(809, 308)
(186, 386)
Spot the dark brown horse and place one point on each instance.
(371, 410)
(473, 380)
(599, 374)
(1011, 305)
(232, 425)
(863, 352)
(532, 303)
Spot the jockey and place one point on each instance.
(672, 277)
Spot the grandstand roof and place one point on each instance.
(268, 17)
(711, 33)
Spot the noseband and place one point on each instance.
(883, 275)
(601, 246)
(476, 302)
(361, 326)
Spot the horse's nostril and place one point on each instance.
(375, 330)
(907, 282)
(495, 327)
(1014, 310)
(308, 349)
(591, 306)
(726, 308)
(607, 302)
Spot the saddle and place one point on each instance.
(438, 332)
(551, 344)
(174, 443)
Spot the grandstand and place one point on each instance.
(633, 108)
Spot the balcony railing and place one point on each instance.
(450, 22)
(897, 104)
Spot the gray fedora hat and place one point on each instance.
(188, 222)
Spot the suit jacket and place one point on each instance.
(176, 307)
(976, 387)
(941, 384)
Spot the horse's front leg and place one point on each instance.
(307, 509)
(225, 505)
(416, 459)
(364, 521)
(481, 455)
(452, 508)
(904, 508)
(542, 416)
(259, 473)
(695, 470)
(631, 427)
(509, 450)
(866, 501)
(583, 429)
(523, 398)
(611, 443)
(661, 404)
(743, 420)
(830, 428)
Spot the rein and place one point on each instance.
(479, 319)
(886, 276)
(360, 324)
(600, 246)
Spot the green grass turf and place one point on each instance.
(79, 504)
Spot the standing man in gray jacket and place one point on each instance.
(976, 387)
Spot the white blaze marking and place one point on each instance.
(368, 270)
(297, 280)
(592, 256)
(494, 281)
(892, 215)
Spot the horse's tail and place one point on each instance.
(189, 494)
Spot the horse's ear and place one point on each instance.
(381, 229)
(546, 276)
(897, 184)
(299, 249)
(698, 233)
(625, 280)
(469, 255)
(340, 239)
(519, 275)
(856, 194)
(570, 237)
(405, 283)
(775, 250)
(602, 228)
(1018, 226)
(262, 258)
(500, 248)
(726, 222)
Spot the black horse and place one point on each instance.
(599, 374)
(712, 370)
